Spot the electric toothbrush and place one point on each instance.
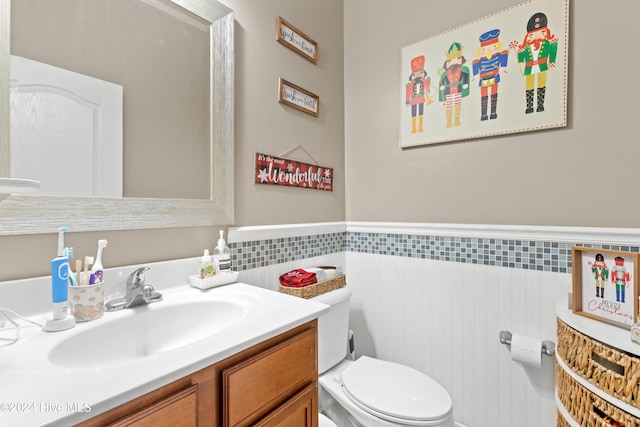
(60, 289)
(97, 269)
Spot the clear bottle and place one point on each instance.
(207, 268)
(222, 256)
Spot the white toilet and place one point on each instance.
(370, 392)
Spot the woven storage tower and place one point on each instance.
(315, 289)
(611, 370)
(587, 408)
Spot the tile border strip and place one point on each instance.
(531, 248)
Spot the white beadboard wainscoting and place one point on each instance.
(444, 319)
(436, 296)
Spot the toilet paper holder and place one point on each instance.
(548, 347)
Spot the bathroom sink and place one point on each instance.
(127, 353)
(146, 331)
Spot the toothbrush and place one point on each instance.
(85, 276)
(60, 289)
(79, 271)
(60, 279)
(73, 280)
(96, 270)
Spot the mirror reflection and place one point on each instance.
(120, 102)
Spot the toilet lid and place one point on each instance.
(395, 392)
(324, 421)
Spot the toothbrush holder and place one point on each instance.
(87, 302)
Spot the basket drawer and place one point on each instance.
(613, 371)
(561, 421)
(587, 408)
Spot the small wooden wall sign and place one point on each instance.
(298, 98)
(290, 173)
(296, 40)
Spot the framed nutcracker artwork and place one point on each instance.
(501, 74)
(605, 285)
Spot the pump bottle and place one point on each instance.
(222, 256)
(207, 268)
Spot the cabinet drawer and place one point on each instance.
(177, 410)
(259, 384)
(300, 410)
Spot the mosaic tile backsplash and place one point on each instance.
(261, 253)
(522, 254)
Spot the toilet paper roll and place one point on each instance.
(526, 350)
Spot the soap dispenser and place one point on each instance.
(222, 256)
(207, 269)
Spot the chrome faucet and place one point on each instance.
(137, 293)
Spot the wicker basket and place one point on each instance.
(562, 422)
(611, 370)
(587, 408)
(317, 288)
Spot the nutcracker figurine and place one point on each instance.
(454, 83)
(621, 277)
(536, 55)
(418, 92)
(487, 66)
(600, 274)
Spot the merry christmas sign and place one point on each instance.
(290, 173)
(605, 285)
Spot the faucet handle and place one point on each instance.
(137, 276)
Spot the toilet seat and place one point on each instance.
(395, 392)
(325, 422)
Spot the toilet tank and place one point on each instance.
(333, 328)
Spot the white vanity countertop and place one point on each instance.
(36, 392)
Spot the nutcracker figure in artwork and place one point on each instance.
(536, 55)
(621, 277)
(600, 273)
(454, 83)
(418, 92)
(490, 59)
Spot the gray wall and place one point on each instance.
(564, 176)
(584, 174)
(262, 125)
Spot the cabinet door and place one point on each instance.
(261, 383)
(300, 411)
(176, 410)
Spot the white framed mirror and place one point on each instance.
(27, 214)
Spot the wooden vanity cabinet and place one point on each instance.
(273, 383)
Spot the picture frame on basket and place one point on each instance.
(605, 286)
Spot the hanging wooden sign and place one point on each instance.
(291, 173)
